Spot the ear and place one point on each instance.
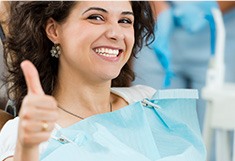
(52, 30)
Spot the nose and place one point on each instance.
(114, 32)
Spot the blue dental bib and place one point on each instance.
(164, 128)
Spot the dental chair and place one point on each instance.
(4, 117)
(6, 113)
(220, 97)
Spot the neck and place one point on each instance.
(83, 98)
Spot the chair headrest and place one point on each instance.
(4, 117)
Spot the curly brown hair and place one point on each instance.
(27, 39)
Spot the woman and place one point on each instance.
(80, 50)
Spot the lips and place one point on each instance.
(108, 52)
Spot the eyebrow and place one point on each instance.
(95, 8)
(105, 11)
(128, 13)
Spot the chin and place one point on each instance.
(112, 76)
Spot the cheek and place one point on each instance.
(130, 39)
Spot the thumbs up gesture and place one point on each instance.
(38, 112)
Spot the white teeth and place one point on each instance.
(107, 52)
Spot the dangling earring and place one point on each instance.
(55, 51)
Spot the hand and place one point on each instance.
(38, 112)
(192, 15)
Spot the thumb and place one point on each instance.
(32, 78)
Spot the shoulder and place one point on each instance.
(8, 137)
(10, 126)
(134, 93)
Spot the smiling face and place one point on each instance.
(96, 39)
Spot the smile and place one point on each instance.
(107, 52)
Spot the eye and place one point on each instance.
(125, 21)
(96, 17)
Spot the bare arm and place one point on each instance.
(226, 5)
(9, 159)
(158, 7)
(25, 154)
